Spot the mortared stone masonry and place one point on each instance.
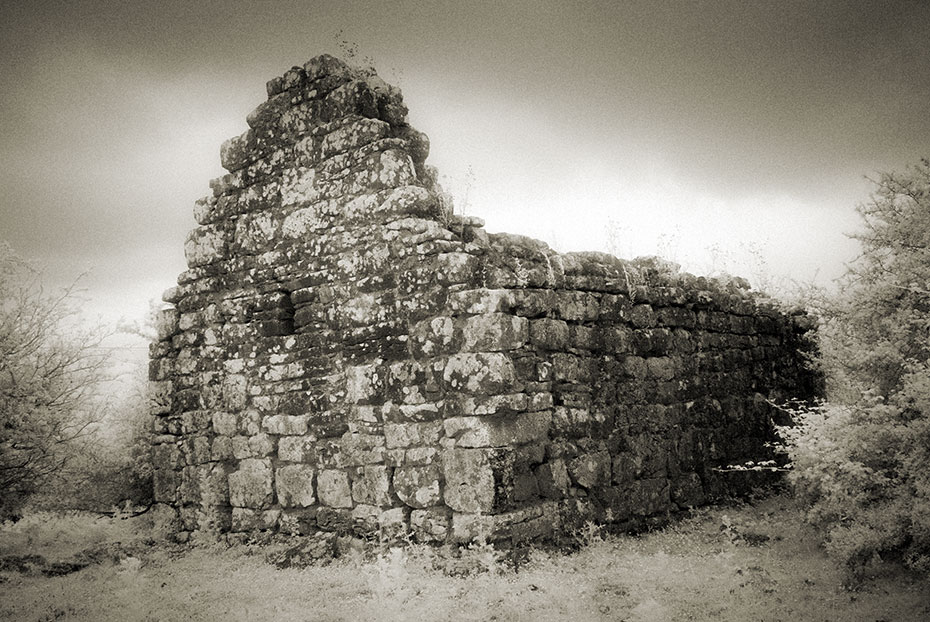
(345, 354)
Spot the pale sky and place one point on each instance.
(721, 135)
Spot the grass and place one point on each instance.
(747, 562)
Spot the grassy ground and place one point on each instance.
(749, 562)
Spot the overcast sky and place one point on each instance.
(722, 135)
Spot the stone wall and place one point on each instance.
(344, 354)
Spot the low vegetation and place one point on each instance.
(862, 459)
(739, 562)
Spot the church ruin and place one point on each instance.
(346, 354)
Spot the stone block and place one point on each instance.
(294, 485)
(195, 421)
(196, 449)
(166, 323)
(393, 524)
(643, 316)
(469, 478)
(221, 448)
(414, 412)
(165, 485)
(292, 425)
(166, 456)
(205, 244)
(418, 486)
(660, 368)
(486, 373)
(412, 434)
(582, 338)
(364, 383)
(590, 470)
(687, 491)
(475, 301)
(333, 488)
(577, 306)
(549, 334)
(235, 391)
(261, 445)
(352, 136)
(469, 527)
(372, 486)
(296, 448)
(246, 519)
(525, 487)
(650, 496)
(251, 485)
(325, 65)
(412, 201)
(498, 431)
(494, 332)
(359, 449)
(225, 423)
(434, 336)
(552, 479)
(571, 368)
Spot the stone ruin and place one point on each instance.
(344, 354)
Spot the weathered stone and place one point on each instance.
(417, 486)
(294, 485)
(165, 485)
(434, 336)
(486, 373)
(650, 496)
(333, 488)
(205, 245)
(687, 491)
(166, 457)
(412, 434)
(295, 425)
(372, 486)
(251, 485)
(393, 524)
(552, 479)
(590, 470)
(498, 431)
(549, 334)
(469, 480)
(359, 449)
(245, 519)
(167, 323)
(494, 332)
(225, 423)
(430, 525)
(221, 449)
(319, 549)
(363, 383)
(468, 527)
(296, 448)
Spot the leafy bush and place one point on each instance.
(63, 441)
(49, 371)
(862, 460)
(115, 467)
(862, 469)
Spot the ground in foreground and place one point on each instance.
(747, 562)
